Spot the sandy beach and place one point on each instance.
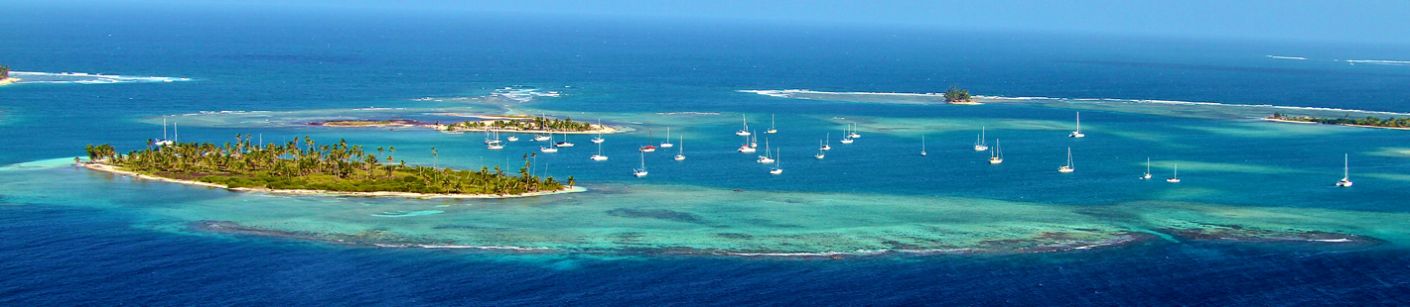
(115, 170)
(8, 81)
(1316, 123)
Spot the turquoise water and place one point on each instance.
(1256, 211)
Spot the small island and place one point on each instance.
(1367, 122)
(520, 124)
(302, 166)
(956, 95)
(5, 78)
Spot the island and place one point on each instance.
(956, 95)
(303, 166)
(1367, 122)
(519, 124)
(5, 78)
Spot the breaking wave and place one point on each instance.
(810, 94)
(88, 78)
(1286, 57)
(1379, 62)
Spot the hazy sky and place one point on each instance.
(1351, 21)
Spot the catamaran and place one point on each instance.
(820, 154)
(744, 131)
(667, 142)
(778, 166)
(771, 130)
(827, 142)
(598, 139)
(1077, 134)
(1345, 181)
(996, 155)
(922, 146)
(854, 133)
(765, 159)
(979, 142)
(1175, 178)
(1067, 168)
(680, 156)
(1147, 175)
(641, 172)
(599, 156)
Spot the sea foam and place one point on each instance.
(89, 78)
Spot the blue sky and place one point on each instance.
(1301, 20)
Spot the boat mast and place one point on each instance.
(1345, 166)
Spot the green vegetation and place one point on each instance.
(955, 94)
(538, 123)
(4, 72)
(303, 164)
(1393, 122)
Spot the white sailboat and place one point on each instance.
(744, 131)
(565, 143)
(754, 141)
(551, 148)
(495, 144)
(827, 142)
(854, 133)
(771, 130)
(979, 142)
(1077, 134)
(1147, 175)
(1345, 181)
(667, 142)
(513, 138)
(1068, 168)
(778, 165)
(543, 137)
(846, 135)
(598, 139)
(996, 156)
(1175, 178)
(820, 155)
(680, 156)
(765, 159)
(599, 156)
(163, 141)
(641, 172)
(922, 146)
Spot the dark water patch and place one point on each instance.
(660, 214)
(467, 227)
(734, 235)
(1236, 233)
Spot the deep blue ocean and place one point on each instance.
(295, 60)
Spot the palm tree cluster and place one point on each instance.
(1393, 122)
(4, 72)
(955, 94)
(302, 163)
(539, 123)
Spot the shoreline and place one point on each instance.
(115, 170)
(445, 128)
(1287, 121)
(9, 81)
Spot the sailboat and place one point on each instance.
(771, 130)
(827, 142)
(854, 133)
(1345, 181)
(820, 154)
(513, 138)
(552, 148)
(598, 139)
(846, 136)
(1067, 168)
(996, 156)
(1077, 134)
(641, 172)
(765, 159)
(543, 137)
(565, 143)
(754, 141)
(744, 148)
(648, 147)
(667, 142)
(680, 156)
(495, 144)
(599, 156)
(778, 165)
(163, 141)
(1147, 175)
(1175, 178)
(979, 142)
(744, 131)
(922, 146)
